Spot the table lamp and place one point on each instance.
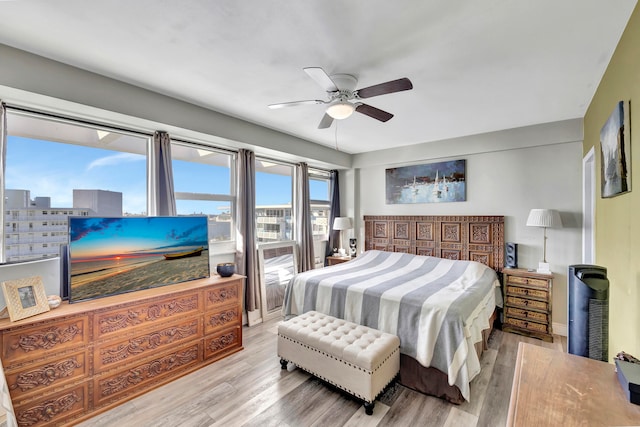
(342, 223)
(544, 218)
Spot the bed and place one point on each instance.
(431, 280)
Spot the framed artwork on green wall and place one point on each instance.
(615, 148)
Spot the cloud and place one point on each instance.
(186, 234)
(82, 227)
(116, 159)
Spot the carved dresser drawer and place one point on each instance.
(115, 385)
(68, 364)
(527, 297)
(29, 343)
(128, 317)
(55, 408)
(34, 378)
(222, 318)
(224, 342)
(224, 294)
(146, 344)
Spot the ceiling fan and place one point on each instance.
(343, 97)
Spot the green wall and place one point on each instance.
(617, 222)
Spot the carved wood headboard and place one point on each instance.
(476, 238)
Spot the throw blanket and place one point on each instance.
(436, 306)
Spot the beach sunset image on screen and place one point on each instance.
(110, 256)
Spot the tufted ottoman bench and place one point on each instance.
(355, 358)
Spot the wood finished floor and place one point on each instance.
(249, 389)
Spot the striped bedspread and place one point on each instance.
(437, 307)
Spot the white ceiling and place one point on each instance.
(476, 65)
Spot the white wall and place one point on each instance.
(543, 171)
(48, 269)
(36, 82)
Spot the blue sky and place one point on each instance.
(54, 170)
(106, 237)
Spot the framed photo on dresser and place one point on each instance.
(25, 297)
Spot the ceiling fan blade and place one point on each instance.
(322, 78)
(384, 88)
(325, 122)
(373, 112)
(296, 103)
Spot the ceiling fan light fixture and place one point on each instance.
(340, 109)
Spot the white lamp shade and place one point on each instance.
(544, 218)
(342, 223)
(340, 109)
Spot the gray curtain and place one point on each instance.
(165, 198)
(246, 248)
(3, 162)
(302, 215)
(334, 235)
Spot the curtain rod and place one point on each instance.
(135, 132)
(75, 120)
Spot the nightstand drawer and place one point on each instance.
(527, 314)
(527, 303)
(524, 324)
(526, 292)
(530, 281)
(335, 259)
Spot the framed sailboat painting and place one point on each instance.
(428, 183)
(615, 148)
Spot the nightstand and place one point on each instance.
(527, 303)
(337, 259)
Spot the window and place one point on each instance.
(202, 180)
(274, 193)
(57, 168)
(319, 188)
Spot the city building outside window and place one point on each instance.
(319, 188)
(57, 168)
(274, 195)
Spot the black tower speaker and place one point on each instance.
(511, 258)
(353, 247)
(64, 272)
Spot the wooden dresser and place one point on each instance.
(553, 388)
(70, 363)
(527, 303)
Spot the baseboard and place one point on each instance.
(254, 317)
(560, 329)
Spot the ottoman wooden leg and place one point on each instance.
(368, 408)
(283, 364)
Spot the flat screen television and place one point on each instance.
(114, 255)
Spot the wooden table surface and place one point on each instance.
(552, 388)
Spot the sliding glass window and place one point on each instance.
(203, 185)
(274, 193)
(319, 188)
(56, 169)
